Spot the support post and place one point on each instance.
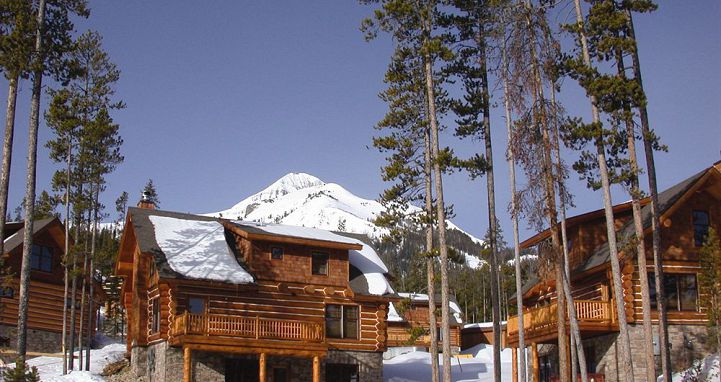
(187, 365)
(514, 364)
(261, 368)
(316, 369)
(536, 363)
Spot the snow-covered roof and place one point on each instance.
(198, 250)
(420, 297)
(195, 247)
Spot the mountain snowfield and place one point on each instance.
(301, 199)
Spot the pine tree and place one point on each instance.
(473, 24)
(411, 24)
(20, 373)
(45, 206)
(17, 23)
(710, 283)
(150, 194)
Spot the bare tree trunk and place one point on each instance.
(430, 261)
(625, 348)
(550, 196)
(492, 221)
(655, 214)
(7, 156)
(578, 357)
(440, 207)
(91, 274)
(74, 288)
(64, 334)
(30, 187)
(640, 237)
(514, 205)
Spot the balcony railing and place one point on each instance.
(246, 327)
(544, 317)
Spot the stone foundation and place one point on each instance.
(37, 340)
(688, 343)
(160, 362)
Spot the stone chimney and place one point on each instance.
(145, 202)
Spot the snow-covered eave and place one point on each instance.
(289, 239)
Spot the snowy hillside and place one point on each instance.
(303, 200)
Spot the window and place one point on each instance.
(7, 292)
(41, 258)
(155, 320)
(320, 263)
(196, 305)
(337, 372)
(341, 321)
(700, 227)
(680, 289)
(276, 253)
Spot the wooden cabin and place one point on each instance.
(687, 211)
(210, 299)
(47, 285)
(409, 326)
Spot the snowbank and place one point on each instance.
(705, 370)
(51, 368)
(416, 367)
(198, 250)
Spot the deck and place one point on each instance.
(247, 334)
(594, 316)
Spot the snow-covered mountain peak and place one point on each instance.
(291, 182)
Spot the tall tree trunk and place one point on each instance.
(578, 356)
(7, 156)
(550, 199)
(492, 221)
(74, 285)
(66, 262)
(440, 207)
(91, 274)
(82, 292)
(514, 213)
(655, 213)
(625, 353)
(30, 186)
(638, 229)
(430, 260)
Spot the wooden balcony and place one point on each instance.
(218, 331)
(540, 323)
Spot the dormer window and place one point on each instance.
(700, 227)
(276, 253)
(319, 263)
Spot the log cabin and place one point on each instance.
(47, 285)
(409, 326)
(687, 210)
(211, 299)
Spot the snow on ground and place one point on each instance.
(198, 250)
(416, 367)
(51, 368)
(705, 370)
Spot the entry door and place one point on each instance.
(241, 370)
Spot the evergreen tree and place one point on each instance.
(709, 280)
(45, 206)
(411, 23)
(17, 24)
(150, 194)
(20, 373)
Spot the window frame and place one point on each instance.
(343, 321)
(318, 254)
(274, 256)
(155, 315)
(673, 280)
(203, 301)
(698, 241)
(44, 258)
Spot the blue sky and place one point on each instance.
(222, 100)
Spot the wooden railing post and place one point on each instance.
(257, 327)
